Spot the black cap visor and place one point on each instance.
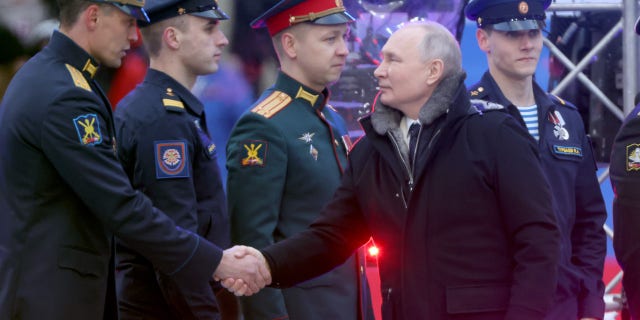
(212, 13)
(136, 12)
(518, 25)
(334, 18)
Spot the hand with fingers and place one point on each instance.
(243, 270)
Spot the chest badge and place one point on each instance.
(633, 157)
(559, 131)
(307, 137)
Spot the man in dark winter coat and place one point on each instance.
(463, 217)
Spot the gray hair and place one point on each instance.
(439, 43)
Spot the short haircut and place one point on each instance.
(152, 34)
(439, 43)
(70, 10)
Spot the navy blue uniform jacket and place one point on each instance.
(166, 150)
(625, 178)
(67, 196)
(568, 163)
(475, 238)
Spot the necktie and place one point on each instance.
(414, 130)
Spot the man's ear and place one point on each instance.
(171, 36)
(288, 42)
(435, 69)
(483, 39)
(90, 16)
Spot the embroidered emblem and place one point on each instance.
(633, 157)
(256, 153)
(313, 152)
(272, 104)
(307, 137)
(88, 128)
(559, 130)
(171, 157)
(567, 150)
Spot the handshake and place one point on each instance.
(243, 270)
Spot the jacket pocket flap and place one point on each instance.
(85, 263)
(478, 298)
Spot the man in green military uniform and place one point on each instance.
(286, 156)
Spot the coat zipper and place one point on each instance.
(406, 166)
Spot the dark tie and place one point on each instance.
(414, 130)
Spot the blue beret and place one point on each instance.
(289, 12)
(133, 8)
(507, 15)
(159, 10)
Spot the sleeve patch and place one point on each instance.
(171, 157)
(633, 157)
(88, 129)
(255, 153)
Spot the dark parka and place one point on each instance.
(469, 234)
(64, 195)
(625, 178)
(568, 163)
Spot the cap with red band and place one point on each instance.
(287, 13)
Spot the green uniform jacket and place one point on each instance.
(285, 159)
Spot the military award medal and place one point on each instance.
(308, 138)
(558, 126)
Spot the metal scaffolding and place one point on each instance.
(625, 26)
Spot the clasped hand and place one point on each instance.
(243, 270)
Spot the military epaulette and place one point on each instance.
(474, 92)
(483, 106)
(78, 78)
(273, 104)
(171, 102)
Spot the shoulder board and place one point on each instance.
(78, 78)
(172, 104)
(483, 106)
(559, 101)
(272, 104)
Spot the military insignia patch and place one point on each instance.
(171, 157)
(256, 153)
(568, 151)
(633, 157)
(88, 129)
